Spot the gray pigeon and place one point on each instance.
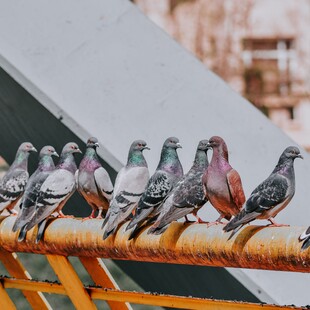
(93, 181)
(305, 237)
(187, 196)
(45, 167)
(271, 196)
(129, 186)
(56, 189)
(168, 172)
(222, 184)
(13, 184)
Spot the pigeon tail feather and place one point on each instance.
(306, 244)
(106, 219)
(137, 229)
(157, 230)
(139, 218)
(235, 231)
(41, 229)
(22, 220)
(107, 233)
(22, 234)
(240, 219)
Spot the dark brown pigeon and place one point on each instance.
(93, 181)
(272, 195)
(222, 184)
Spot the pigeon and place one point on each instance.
(45, 167)
(129, 186)
(271, 196)
(222, 184)
(93, 181)
(13, 184)
(187, 196)
(168, 172)
(305, 237)
(56, 189)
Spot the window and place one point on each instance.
(268, 67)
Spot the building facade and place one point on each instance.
(260, 47)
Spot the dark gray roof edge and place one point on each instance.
(52, 106)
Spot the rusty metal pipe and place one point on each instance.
(258, 247)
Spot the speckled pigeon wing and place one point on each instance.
(171, 212)
(12, 187)
(189, 192)
(29, 199)
(268, 194)
(103, 182)
(235, 187)
(157, 189)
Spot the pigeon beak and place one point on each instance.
(300, 156)
(97, 144)
(146, 148)
(179, 146)
(55, 154)
(78, 151)
(33, 149)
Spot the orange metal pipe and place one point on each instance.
(272, 248)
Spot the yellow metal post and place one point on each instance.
(101, 276)
(17, 270)
(5, 300)
(71, 282)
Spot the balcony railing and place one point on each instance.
(256, 247)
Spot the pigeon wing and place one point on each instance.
(170, 212)
(103, 183)
(56, 190)
(235, 187)
(14, 185)
(268, 194)
(156, 191)
(29, 199)
(129, 186)
(189, 192)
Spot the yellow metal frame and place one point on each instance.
(253, 247)
(139, 298)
